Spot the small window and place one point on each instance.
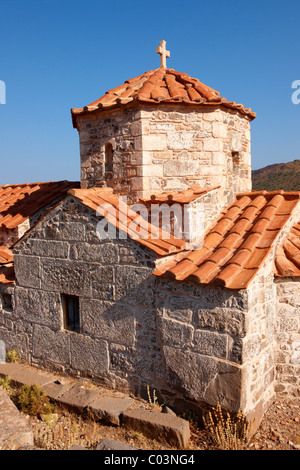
(236, 158)
(6, 301)
(109, 153)
(70, 305)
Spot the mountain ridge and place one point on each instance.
(284, 176)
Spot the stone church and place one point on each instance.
(95, 283)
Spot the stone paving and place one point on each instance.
(80, 396)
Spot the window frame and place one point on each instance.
(68, 324)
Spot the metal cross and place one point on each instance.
(163, 53)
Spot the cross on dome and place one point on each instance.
(163, 53)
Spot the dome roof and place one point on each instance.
(162, 86)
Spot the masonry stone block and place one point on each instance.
(204, 378)
(181, 308)
(59, 352)
(212, 145)
(38, 306)
(105, 253)
(133, 365)
(67, 277)
(154, 142)
(180, 140)
(88, 355)
(289, 324)
(174, 184)
(135, 286)
(230, 321)
(72, 231)
(109, 409)
(50, 248)
(165, 428)
(110, 321)
(252, 346)
(18, 341)
(174, 333)
(27, 270)
(180, 167)
(210, 343)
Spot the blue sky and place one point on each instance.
(59, 54)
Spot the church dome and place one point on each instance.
(162, 85)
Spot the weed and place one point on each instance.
(153, 403)
(227, 432)
(64, 434)
(12, 356)
(5, 384)
(33, 401)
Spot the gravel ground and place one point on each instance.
(280, 428)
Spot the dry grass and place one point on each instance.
(227, 432)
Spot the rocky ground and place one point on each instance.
(279, 430)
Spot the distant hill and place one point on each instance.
(284, 176)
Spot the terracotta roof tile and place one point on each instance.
(19, 202)
(236, 247)
(6, 255)
(7, 274)
(287, 261)
(162, 85)
(110, 206)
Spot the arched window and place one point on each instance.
(109, 152)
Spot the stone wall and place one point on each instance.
(121, 129)
(114, 280)
(183, 147)
(185, 341)
(288, 337)
(172, 148)
(193, 344)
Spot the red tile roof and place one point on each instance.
(162, 86)
(120, 215)
(18, 202)
(7, 274)
(287, 259)
(182, 197)
(236, 247)
(6, 255)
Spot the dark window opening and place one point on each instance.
(6, 301)
(109, 153)
(70, 305)
(236, 158)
